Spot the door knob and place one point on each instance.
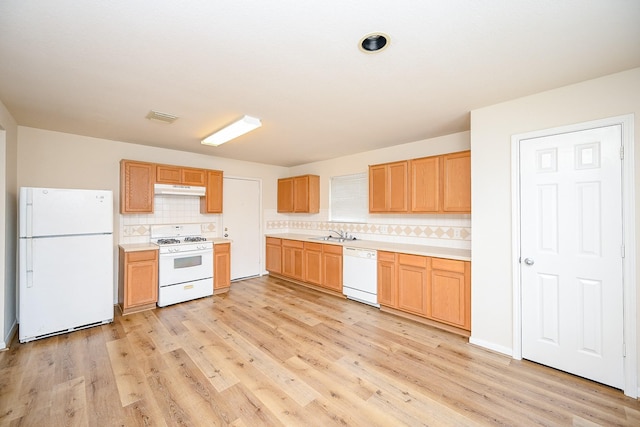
(529, 261)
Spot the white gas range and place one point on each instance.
(185, 264)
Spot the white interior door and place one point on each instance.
(571, 253)
(241, 224)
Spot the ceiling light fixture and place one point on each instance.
(234, 130)
(374, 42)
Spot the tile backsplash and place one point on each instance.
(168, 209)
(452, 231)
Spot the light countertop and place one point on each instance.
(133, 247)
(432, 251)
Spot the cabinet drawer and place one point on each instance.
(293, 243)
(274, 241)
(447, 265)
(332, 249)
(313, 246)
(386, 256)
(414, 260)
(142, 256)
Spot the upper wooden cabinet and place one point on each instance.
(299, 194)
(136, 186)
(167, 174)
(388, 187)
(456, 182)
(212, 201)
(436, 184)
(441, 184)
(137, 180)
(425, 182)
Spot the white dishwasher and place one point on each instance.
(360, 275)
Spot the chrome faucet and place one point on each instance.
(339, 233)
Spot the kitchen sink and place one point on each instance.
(329, 238)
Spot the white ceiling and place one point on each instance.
(97, 67)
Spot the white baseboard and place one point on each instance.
(7, 339)
(491, 346)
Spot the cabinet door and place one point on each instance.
(388, 187)
(306, 194)
(387, 284)
(136, 187)
(412, 283)
(212, 201)
(166, 174)
(313, 263)
(332, 267)
(293, 259)
(141, 283)
(301, 194)
(398, 187)
(377, 188)
(274, 255)
(189, 176)
(222, 266)
(285, 195)
(456, 182)
(425, 184)
(450, 293)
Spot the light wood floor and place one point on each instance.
(272, 353)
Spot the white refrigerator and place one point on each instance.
(65, 261)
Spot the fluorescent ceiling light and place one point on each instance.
(234, 130)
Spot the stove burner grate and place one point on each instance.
(195, 239)
(168, 241)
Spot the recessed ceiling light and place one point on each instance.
(374, 42)
(161, 117)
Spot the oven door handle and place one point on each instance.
(186, 254)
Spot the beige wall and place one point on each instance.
(491, 131)
(55, 159)
(8, 160)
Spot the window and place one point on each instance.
(349, 198)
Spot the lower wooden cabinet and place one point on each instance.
(221, 267)
(387, 279)
(332, 267)
(412, 283)
(313, 263)
(449, 292)
(138, 280)
(434, 288)
(293, 259)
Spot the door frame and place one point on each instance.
(629, 239)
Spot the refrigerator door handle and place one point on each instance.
(29, 213)
(29, 262)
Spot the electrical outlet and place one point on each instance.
(383, 229)
(456, 233)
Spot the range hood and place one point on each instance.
(179, 190)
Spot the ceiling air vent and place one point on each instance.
(161, 117)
